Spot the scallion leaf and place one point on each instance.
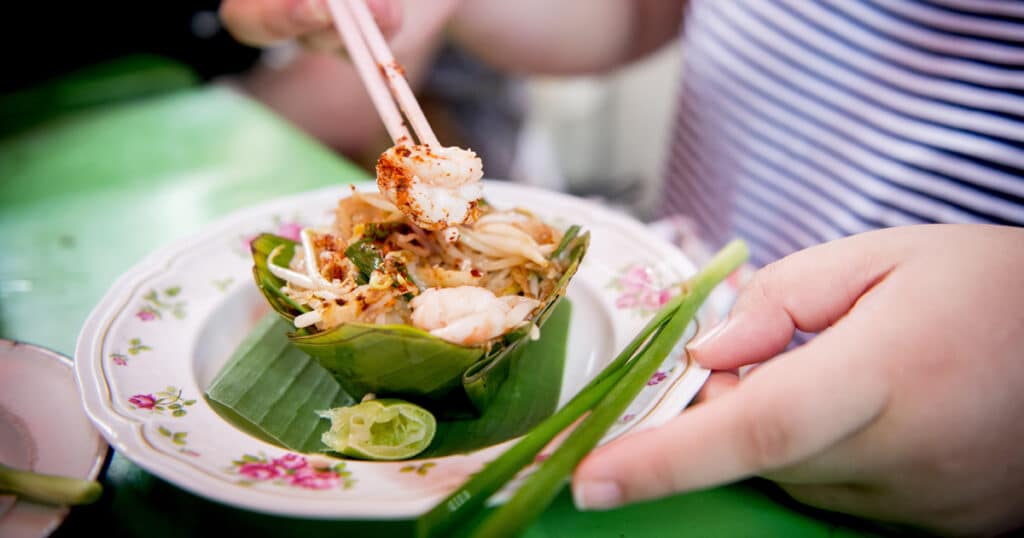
(366, 257)
(538, 491)
(567, 238)
(461, 504)
(47, 488)
(628, 377)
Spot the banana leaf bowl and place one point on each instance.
(404, 361)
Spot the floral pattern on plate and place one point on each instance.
(294, 470)
(421, 469)
(135, 347)
(641, 290)
(169, 399)
(288, 228)
(179, 440)
(158, 303)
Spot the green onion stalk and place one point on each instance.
(48, 489)
(628, 373)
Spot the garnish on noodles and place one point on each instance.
(422, 290)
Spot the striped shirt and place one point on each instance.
(803, 121)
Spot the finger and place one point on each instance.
(262, 22)
(718, 383)
(808, 290)
(388, 14)
(322, 41)
(786, 411)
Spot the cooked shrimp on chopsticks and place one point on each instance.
(436, 187)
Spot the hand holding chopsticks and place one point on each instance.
(381, 74)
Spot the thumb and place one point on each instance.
(387, 14)
(809, 290)
(263, 22)
(788, 411)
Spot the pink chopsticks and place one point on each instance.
(381, 74)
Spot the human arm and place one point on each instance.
(904, 409)
(564, 37)
(536, 36)
(316, 90)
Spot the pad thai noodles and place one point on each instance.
(464, 283)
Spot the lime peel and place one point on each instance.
(385, 429)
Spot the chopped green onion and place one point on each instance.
(567, 238)
(365, 254)
(366, 257)
(628, 377)
(280, 295)
(47, 488)
(379, 231)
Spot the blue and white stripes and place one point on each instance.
(802, 121)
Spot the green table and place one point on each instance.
(86, 195)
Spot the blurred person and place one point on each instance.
(828, 134)
(294, 82)
(308, 85)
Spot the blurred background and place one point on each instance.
(602, 136)
(593, 136)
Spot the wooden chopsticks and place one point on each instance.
(381, 74)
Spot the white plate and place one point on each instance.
(43, 429)
(163, 331)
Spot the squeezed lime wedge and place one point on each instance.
(385, 429)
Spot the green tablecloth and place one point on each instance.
(85, 196)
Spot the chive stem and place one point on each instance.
(567, 238)
(460, 506)
(541, 487)
(462, 503)
(46, 488)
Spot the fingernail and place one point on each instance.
(596, 495)
(703, 339)
(311, 12)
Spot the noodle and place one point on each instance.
(373, 261)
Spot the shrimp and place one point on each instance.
(469, 315)
(437, 188)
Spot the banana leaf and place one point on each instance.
(272, 390)
(528, 396)
(406, 362)
(267, 386)
(482, 379)
(392, 360)
(270, 285)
